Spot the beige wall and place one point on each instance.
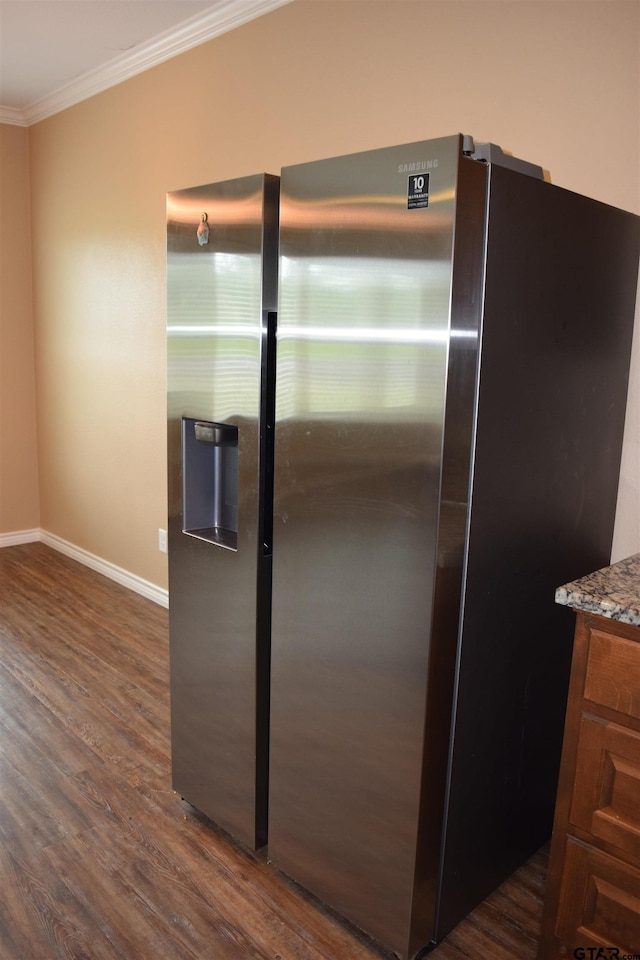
(19, 509)
(554, 82)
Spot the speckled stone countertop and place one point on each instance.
(612, 592)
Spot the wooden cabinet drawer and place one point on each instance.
(593, 887)
(606, 792)
(613, 672)
(599, 903)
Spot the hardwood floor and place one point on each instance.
(99, 859)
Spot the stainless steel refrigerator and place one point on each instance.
(221, 298)
(453, 340)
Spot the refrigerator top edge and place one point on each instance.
(198, 188)
(488, 153)
(415, 154)
(186, 207)
(558, 189)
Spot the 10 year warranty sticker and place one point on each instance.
(418, 191)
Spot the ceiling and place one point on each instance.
(54, 53)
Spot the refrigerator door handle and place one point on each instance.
(268, 433)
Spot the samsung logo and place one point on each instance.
(417, 166)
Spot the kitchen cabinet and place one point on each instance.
(592, 903)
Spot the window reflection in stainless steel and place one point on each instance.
(363, 342)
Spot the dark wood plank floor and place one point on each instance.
(99, 859)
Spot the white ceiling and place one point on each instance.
(54, 53)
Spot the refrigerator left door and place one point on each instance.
(221, 301)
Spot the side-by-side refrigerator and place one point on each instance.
(453, 344)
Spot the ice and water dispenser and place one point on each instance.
(210, 481)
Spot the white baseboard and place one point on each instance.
(19, 536)
(123, 577)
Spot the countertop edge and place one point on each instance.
(612, 592)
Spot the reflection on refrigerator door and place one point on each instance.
(221, 300)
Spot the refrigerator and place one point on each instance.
(368, 670)
(222, 245)
(454, 335)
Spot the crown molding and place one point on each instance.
(12, 116)
(224, 16)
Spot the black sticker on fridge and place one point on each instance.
(418, 191)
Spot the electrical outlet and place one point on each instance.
(162, 540)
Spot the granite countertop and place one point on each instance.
(612, 592)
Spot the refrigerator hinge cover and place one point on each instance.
(492, 153)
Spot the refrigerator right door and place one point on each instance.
(363, 343)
